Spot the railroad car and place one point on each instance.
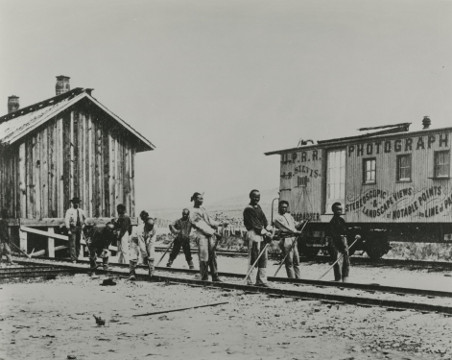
(394, 185)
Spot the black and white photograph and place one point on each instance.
(222, 180)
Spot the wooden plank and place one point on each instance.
(106, 172)
(111, 174)
(90, 164)
(51, 242)
(71, 154)
(77, 191)
(35, 178)
(43, 252)
(51, 169)
(66, 161)
(29, 176)
(59, 170)
(31, 230)
(81, 147)
(44, 174)
(23, 240)
(132, 182)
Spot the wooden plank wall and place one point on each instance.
(79, 154)
(424, 199)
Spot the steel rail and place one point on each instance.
(353, 259)
(354, 300)
(318, 283)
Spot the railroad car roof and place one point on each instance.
(17, 124)
(386, 133)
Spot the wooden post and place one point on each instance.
(23, 240)
(51, 243)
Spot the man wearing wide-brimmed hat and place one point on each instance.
(75, 222)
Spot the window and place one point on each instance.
(441, 164)
(369, 171)
(404, 167)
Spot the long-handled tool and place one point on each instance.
(166, 251)
(181, 309)
(339, 258)
(18, 248)
(294, 242)
(252, 267)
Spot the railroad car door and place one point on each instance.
(335, 178)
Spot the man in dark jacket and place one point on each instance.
(338, 232)
(98, 239)
(257, 236)
(181, 228)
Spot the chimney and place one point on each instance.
(426, 122)
(62, 84)
(13, 103)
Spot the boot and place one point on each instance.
(249, 280)
(203, 270)
(151, 267)
(213, 269)
(170, 262)
(261, 279)
(191, 266)
(132, 273)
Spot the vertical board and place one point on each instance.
(22, 181)
(44, 173)
(66, 160)
(106, 170)
(59, 170)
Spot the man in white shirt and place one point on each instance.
(75, 222)
(286, 223)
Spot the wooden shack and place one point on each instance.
(68, 145)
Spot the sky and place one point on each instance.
(215, 84)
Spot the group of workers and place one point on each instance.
(135, 243)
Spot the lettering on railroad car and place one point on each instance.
(409, 144)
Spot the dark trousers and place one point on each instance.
(178, 243)
(340, 251)
(74, 244)
(256, 249)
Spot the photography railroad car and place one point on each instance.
(394, 184)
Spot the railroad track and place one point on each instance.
(355, 260)
(34, 272)
(327, 291)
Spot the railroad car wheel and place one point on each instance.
(376, 246)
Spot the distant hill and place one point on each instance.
(231, 207)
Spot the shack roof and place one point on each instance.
(371, 133)
(17, 124)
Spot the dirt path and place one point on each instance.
(55, 319)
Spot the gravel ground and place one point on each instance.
(54, 320)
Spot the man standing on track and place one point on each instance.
(143, 241)
(181, 228)
(75, 222)
(338, 232)
(124, 227)
(257, 236)
(286, 223)
(205, 227)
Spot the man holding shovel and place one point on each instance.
(181, 228)
(338, 232)
(257, 236)
(288, 244)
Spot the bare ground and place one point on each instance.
(54, 320)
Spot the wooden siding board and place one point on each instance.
(76, 157)
(106, 170)
(22, 181)
(44, 174)
(67, 161)
(59, 170)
